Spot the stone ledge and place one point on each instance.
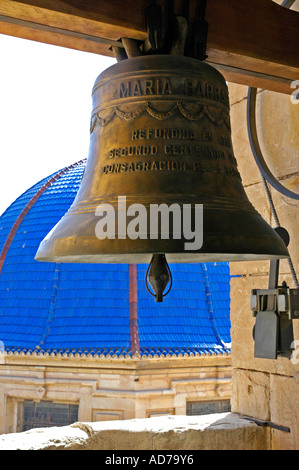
(225, 431)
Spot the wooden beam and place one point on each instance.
(255, 79)
(253, 42)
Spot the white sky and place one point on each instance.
(45, 108)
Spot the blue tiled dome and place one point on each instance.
(84, 308)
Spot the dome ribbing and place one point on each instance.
(85, 308)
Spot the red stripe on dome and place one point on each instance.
(27, 208)
(134, 332)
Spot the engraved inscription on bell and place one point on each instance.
(160, 133)
(163, 123)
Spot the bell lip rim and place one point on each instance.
(142, 258)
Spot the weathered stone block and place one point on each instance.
(247, 167)
(237, 93)
(278, 133)
(284, 408)
(251, 393)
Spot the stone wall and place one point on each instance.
(225, 431)
(263, 388)
(108, 389)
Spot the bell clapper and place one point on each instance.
(158, 275)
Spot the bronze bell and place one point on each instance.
(160, 134)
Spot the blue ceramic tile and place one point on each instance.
(85, 307)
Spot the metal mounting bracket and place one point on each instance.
(275, 309)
